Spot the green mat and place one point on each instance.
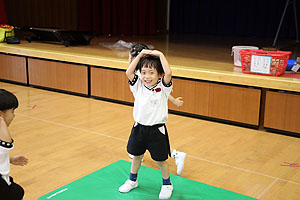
(104, 184)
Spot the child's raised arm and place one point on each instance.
(165, 65)
(130, 70)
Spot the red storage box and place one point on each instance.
(269, 63)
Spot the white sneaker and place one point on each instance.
(128, 185)
(166, 192)
(179, 160)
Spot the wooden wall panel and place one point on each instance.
(233, 103)
(202, 98)
(195, 96)
(57, 75)
(13, 68)
(282, 111)
(185, 89)
(112, 84)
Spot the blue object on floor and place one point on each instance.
(290, 64)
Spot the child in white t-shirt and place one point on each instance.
(9, 190)
(151, 91)
(177, 155)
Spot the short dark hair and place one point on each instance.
(8, 100)
(150, 61)
(137, 48)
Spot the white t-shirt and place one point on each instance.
(151, 104)
(5, 148)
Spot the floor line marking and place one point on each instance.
(72, 127)
(231, 166)
(195, 157)
(242, 169)
(260, 195)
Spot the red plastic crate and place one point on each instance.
(269, 63)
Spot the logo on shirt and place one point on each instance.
(156, 90)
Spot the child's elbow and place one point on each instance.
(129, 75)
(169, 73)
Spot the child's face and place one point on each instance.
(8, 115)
(149, 76)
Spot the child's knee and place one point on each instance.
(162, 163)
(138, 158)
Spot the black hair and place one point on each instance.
(8, 100)
(150, 61)
(137, 48)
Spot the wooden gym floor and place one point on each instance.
(67, 137)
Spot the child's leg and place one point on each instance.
(135, 146)
(136, 164)
(132, 182)
(164, 168)
(131, 156)
(167, 187)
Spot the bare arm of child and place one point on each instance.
(176, 101)
(165, 65)
(4, 133)
(131, 68)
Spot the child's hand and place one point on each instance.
(151, 52)
(19, 160)
(178, 101)
(156, 53)
(145, 52)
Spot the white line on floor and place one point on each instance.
(260, 195)
(195, 157)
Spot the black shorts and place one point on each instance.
(12, 191)
(152, 138)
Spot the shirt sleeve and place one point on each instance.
(167, 87)
(6, 146)
(134, 84)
